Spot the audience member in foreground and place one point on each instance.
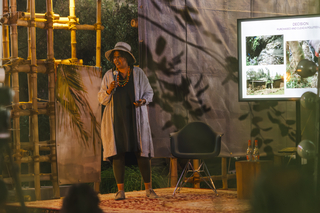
(285, 190)
(81, 198)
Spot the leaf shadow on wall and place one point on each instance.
(167, 93)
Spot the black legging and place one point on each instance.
(119, 167)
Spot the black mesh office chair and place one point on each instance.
(196, 140)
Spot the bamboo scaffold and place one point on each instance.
(14, 65)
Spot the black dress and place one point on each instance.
(125, 129)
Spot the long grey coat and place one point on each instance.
(142, 90)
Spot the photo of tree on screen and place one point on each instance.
(295, 52)
(263, 81)
(264, 50)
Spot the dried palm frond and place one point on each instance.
(71, 96)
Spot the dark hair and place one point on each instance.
(124, 54)
(81, 198)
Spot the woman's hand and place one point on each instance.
(113, 84)
(140, 102)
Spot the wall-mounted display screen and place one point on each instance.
(269, 51)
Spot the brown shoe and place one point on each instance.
(151, 194)
(120, 195)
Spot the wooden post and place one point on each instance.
(34, 91)
(15, 87)
(6, 50)
(72, 25)
(98, 34)
(196, 177)
(5, 42)
(98, 59)
(31, 164)
(51, 85)
(174, 171)
(224, 173)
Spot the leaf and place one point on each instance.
(167, 125)
(255, 132)
(259, 107)
(179, 121)
(267, 141)
(273, 120)
(156, 6)
(199, 93)
(292, 137)
(187, 105)
(205, 108)
(244, 116)
(268, 150)
(160, 45)
(266, 129)
(167, 107)
(256, 120)
(199, 81)
(284, 129)
(290, 122)
(278, 113)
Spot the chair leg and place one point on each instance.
(206, 170)
(207, 173)
(182, 181)
(182, 176)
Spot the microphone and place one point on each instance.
(115, 76)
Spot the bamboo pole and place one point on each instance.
(49, 15)
(72, 24)
(5, 43)
(174, 171)
(27, 15)
(196, 176)
(224, 173)
(51, 83)
(29, 38)
(23, 23)
(30, 164)
(59, 26)
(5, 40)
(15, 88)
(34, 115)
(42, 144)
(98, 57)
(27, 177)
(6, 51)
(30, 112)
(64, 20)
(4, 9)
(25, 68)
(98, 35)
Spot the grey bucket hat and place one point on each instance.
(123, 46)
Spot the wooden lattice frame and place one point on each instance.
(32, 66)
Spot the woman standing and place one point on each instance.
(125, 91)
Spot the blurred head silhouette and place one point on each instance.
(81, 198)
(284, 190)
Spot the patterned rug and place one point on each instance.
(188, 200)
